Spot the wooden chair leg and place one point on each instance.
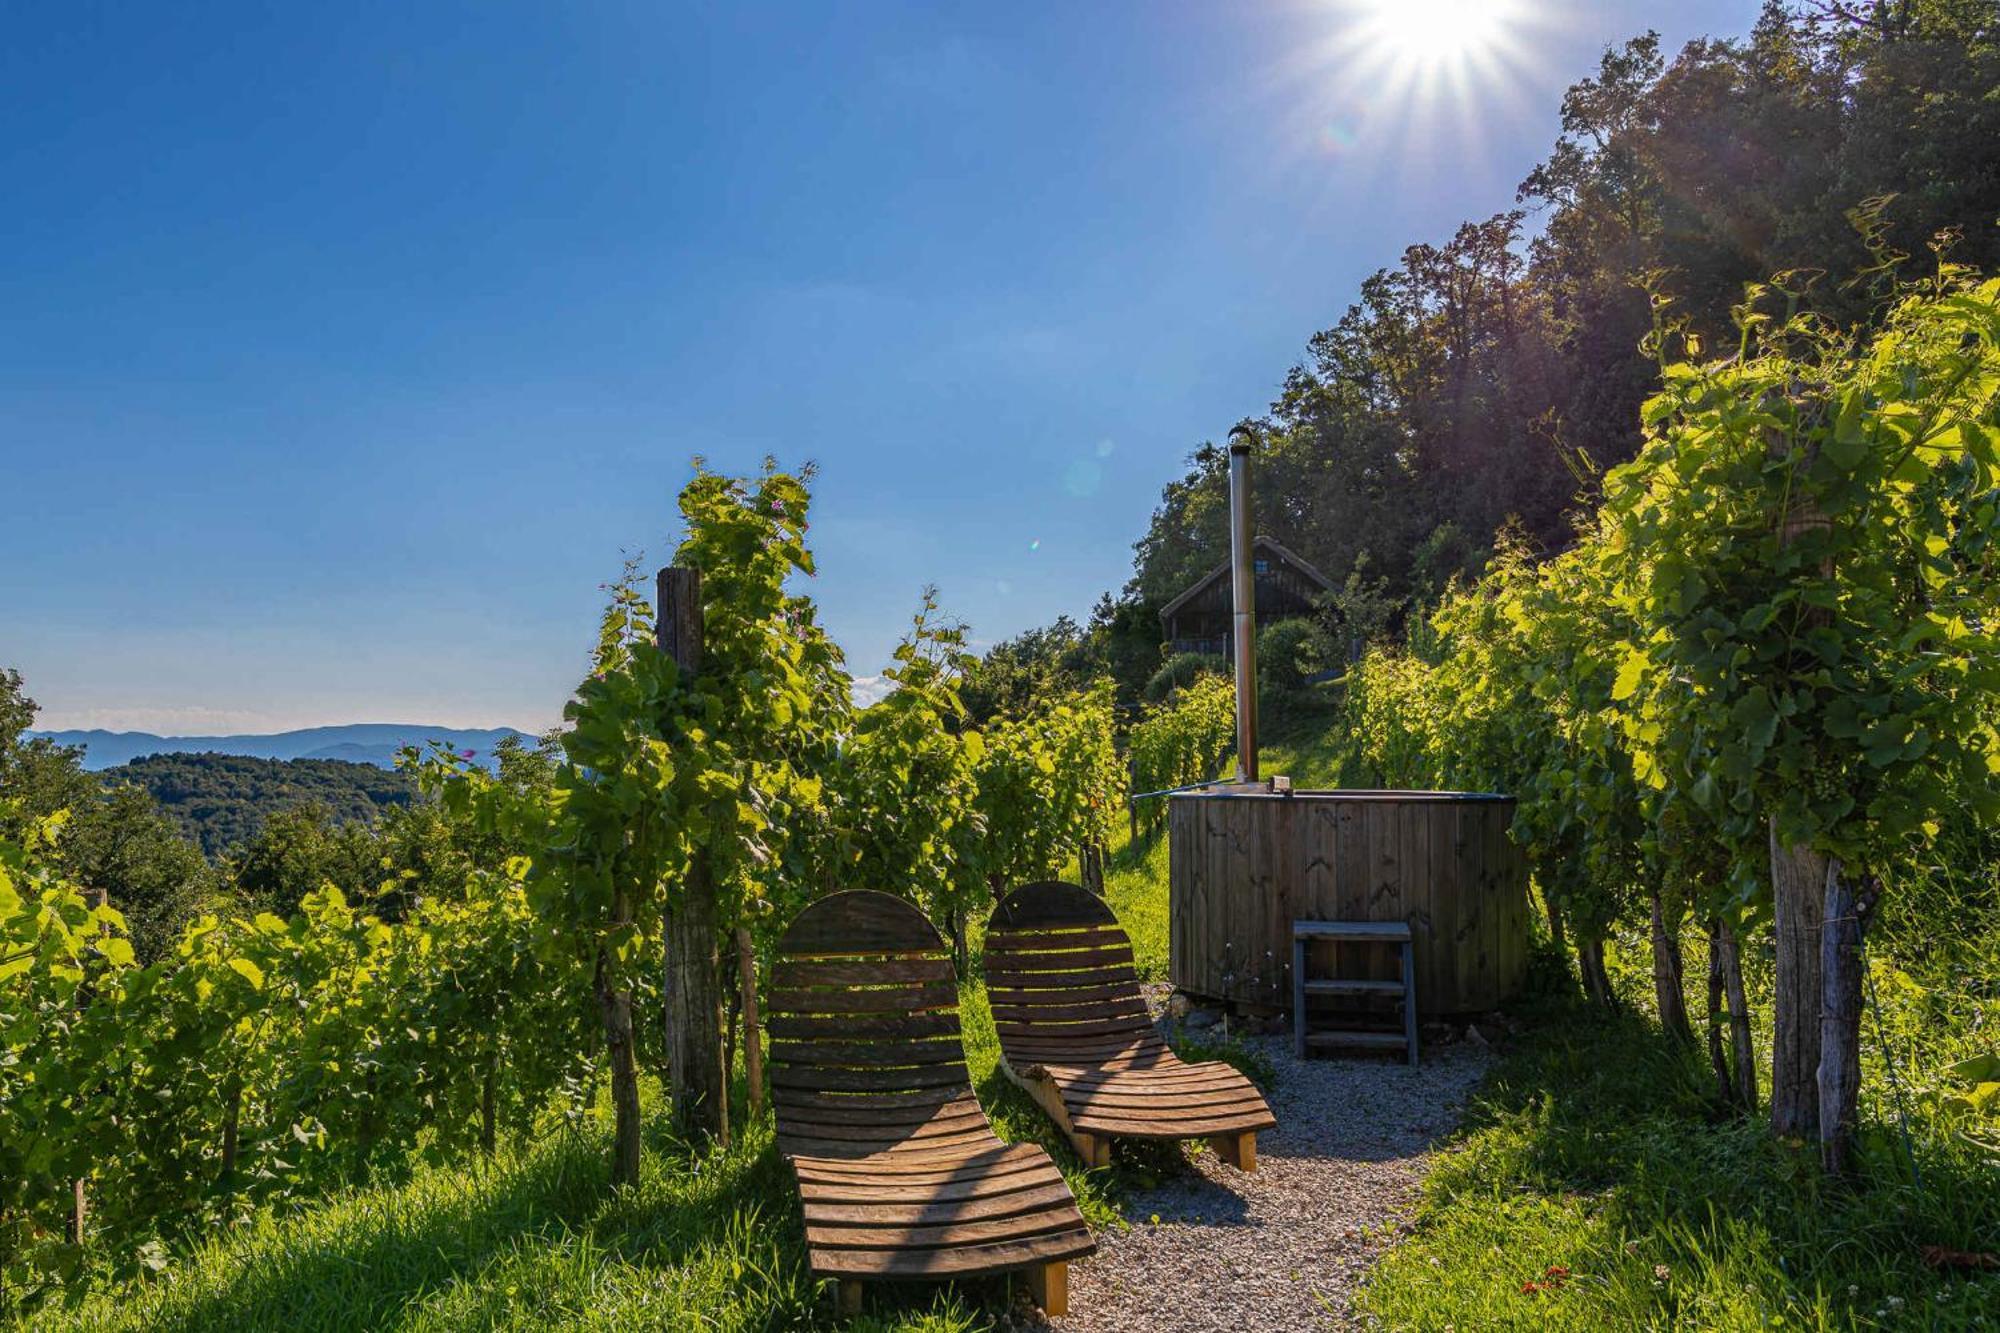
(1094, 1149)
(850, 1297)
(1049, 1285)
(1239, 1150)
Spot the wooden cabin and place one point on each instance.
(1198, 620)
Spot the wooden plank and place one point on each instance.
(902, 1026)
(841, 1235)
(931, 1214)
(1000, 1257)
(1350, 889)
(1012, 979)
(828, 1125)
(1352, 930)
(1184, 1078)
(834, 1180)
(1325, 1037)
(931, 1151)
(1023, 996)
(1356, 987)
(1048, 940)
(1171, 1125)
(1283, 908)
(900, 998)
(1115, 1023)
(1205, 1105)
(1060, 1008)
(913, 1100)
(869, 1080)
(868, 1054)
(869, 1111)
(891, 1167)
(805, 972)
(1043, 962)
(1385, 869)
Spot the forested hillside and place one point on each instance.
(1486, 380)
(220, 801)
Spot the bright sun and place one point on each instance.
(1394, 85)
(1430, 35)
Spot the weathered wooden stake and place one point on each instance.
(1668, 974)
(1742, 1044)
(753, 1042)
(1841, 962)
(615, 1007)
(1132, 806)
(1718, 1050)
(693, 999)
(79, 1204)
(1799, 881)
(1596, 981)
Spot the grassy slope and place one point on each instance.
(536, 1241)
(1593, 1149)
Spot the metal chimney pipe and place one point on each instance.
(1243, 589)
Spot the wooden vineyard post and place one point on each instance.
(1801, 878)
(753, 1045)
(1131, 800)
(79, 1204)
(693, 1000)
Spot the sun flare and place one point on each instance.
(1390, 81)
(1427, 34)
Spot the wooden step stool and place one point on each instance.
(1353, 932)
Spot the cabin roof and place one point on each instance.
(1206, 581)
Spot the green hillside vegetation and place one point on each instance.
(221, 801)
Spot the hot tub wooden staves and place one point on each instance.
(1245, 866)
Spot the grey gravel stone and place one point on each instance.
(1284, 1248)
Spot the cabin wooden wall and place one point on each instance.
(1243, 868)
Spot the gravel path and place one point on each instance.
(1281, 1249)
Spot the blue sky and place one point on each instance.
(343, 349)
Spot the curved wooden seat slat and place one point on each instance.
(899, 1170)
(1074, 1032)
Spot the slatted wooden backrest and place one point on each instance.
(863, 1018)
(1059, 966)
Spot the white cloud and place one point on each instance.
(866, 690)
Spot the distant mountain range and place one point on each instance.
(358, 742)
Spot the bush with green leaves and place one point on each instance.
(1182, 670)
(1180, 742)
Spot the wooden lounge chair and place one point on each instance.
(899, 1170)
(1074, 1033)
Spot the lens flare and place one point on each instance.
(1397, 90)
(1435, 34)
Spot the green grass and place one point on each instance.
(1594, 1164)
(1596, 1148)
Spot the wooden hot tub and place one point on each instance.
(1245, 865)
